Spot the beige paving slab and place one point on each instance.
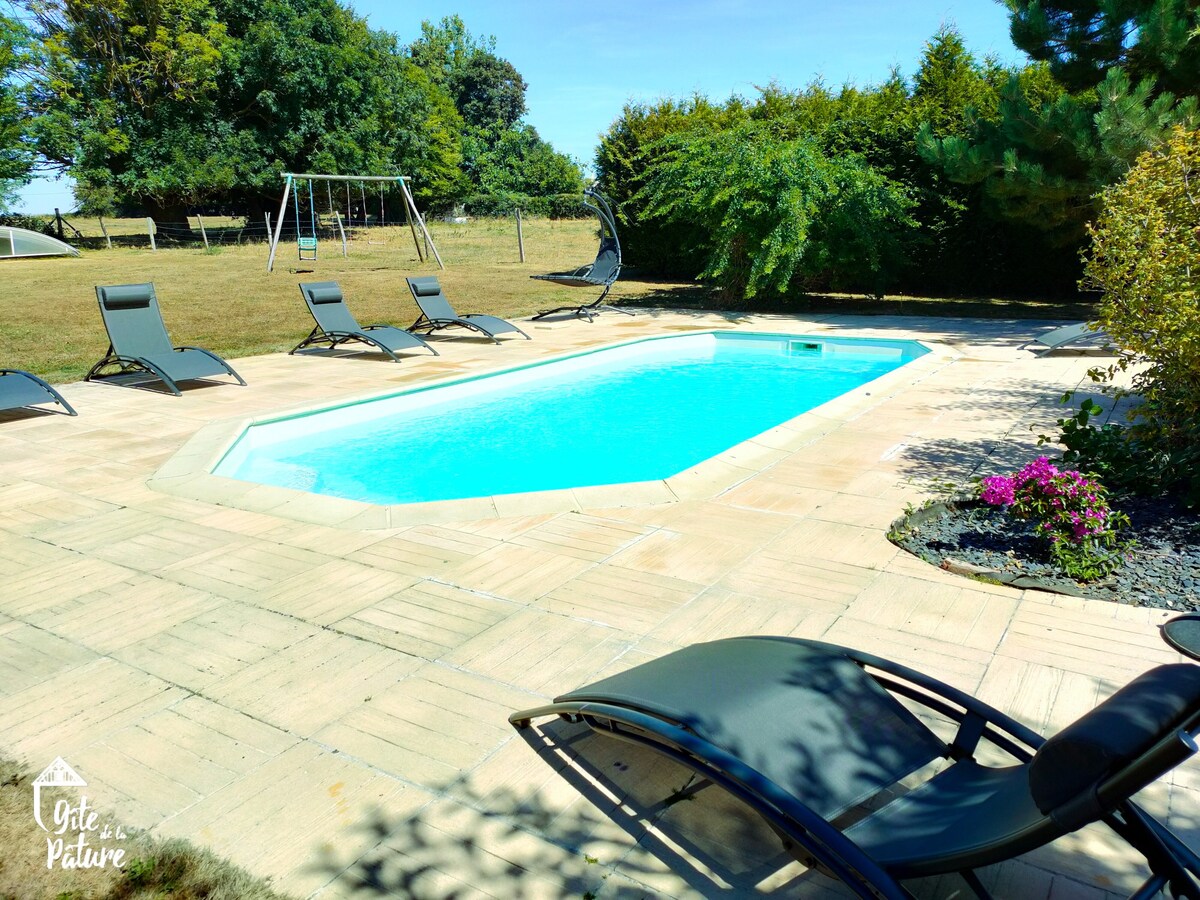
(50, 584)
(1075, 640)
(515, 573)
(293, 816)
(215, 644)
(541, 652)
(245, 568)
(590, 538)
(77, 707)
(810, 583)
(29, 655)
(426, 620)
(622, 598)
(124, 613)
(769, 494)
(721, 613)
(693, 557)
(172, 759)
(430, 727)
(425, 550)
(331, 591)
(943, 611)
(19, 554)
(836, 542)
(311, 683)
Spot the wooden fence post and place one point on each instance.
(203, 233)
(104, 231)
(150, 231)
(520, 237)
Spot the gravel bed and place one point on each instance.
(1162, 570)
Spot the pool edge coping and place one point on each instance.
(188, 472)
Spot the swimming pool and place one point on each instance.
(636, 412)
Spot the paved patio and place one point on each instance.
(327, 705)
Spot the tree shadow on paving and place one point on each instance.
(632, 824)
(642, 818)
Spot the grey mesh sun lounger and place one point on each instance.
(139, 343)
(1080, 333)
(20, 389)
(805, 732)
(336, 325)
(437, 313)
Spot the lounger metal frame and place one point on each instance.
(52, 394)
(817, 843)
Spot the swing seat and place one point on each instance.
(307, 245)
(601, 273)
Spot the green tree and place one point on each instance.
(16, 159)
(627, 153)
(515, 160)
(1113, 78)
(1082, 40)
(172, 103)
(1145, 258)
(485, 87)
(488, 90)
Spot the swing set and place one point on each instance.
(306, 239)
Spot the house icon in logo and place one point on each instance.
(57, 774)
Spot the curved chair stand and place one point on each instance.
(333, 339)
(437, 313)
(139, 343)
(19, 389)
(753, 714)
(129, 365)
(336, 325)
(602, 272)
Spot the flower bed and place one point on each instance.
(966, 535)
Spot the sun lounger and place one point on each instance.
(20, 389)
(336, 325)
(437, 313)
(1080, 333)
(139, 343)
(806, 732)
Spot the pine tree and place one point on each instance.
(1082, 40)
(1111, 79)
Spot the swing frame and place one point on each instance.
(411, 212)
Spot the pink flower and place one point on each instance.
(998, 490)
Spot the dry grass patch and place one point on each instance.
(153, 868)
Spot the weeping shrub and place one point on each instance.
(766, 212)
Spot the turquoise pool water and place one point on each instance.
(636, 412)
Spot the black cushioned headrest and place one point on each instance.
(426, 287)
(1115, 733)
(325, 294)
(126, 296)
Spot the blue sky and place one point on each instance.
(584, 61)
